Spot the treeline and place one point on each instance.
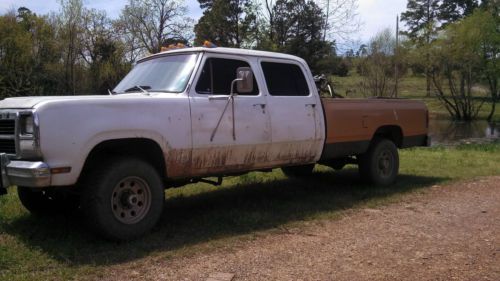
(78, 50)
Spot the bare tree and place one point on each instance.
(70, 22)
(341, 18)
(97, 28)
(377, 68)
(153, 23)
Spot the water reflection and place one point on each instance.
(447, 131)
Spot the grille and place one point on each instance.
(7, 127)
(8, 146)
(7, 133)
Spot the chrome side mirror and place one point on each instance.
(244, 78)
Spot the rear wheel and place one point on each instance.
(123, 198)
(47, 201)
(380, 164)
(298, 171)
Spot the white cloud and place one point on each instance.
(378, 15)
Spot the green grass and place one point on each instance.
(200, 217)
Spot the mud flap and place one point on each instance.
(4, 160)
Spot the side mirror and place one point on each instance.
(244, 78)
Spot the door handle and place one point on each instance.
(262, 105)
(218, 97)
(313, 105)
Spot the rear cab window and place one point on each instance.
(285, 79)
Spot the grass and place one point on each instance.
(200, 217)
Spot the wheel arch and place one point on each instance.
(141, 148)
(393, 133)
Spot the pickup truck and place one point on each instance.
(184, 115)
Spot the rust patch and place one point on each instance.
(178, 163)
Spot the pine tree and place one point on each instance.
(421, 18)
(453, 10)
(228, 23)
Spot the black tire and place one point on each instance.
(47, 201)
(380, 164)
(122, 199)
(298, 171)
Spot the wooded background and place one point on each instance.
(77, 50)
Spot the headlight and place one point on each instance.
(27, 124)
(28, 144)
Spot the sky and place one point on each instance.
(375, 15)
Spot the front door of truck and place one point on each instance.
(217, 147)
(295, 112)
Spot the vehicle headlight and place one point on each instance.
(28, 143)
(27, 124)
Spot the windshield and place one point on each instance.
(163, 74)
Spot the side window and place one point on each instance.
(217, 75)
(285, 79)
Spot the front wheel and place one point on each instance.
(123, 198)
(380, 164)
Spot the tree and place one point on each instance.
(463, 58)
(377, 68)
(102, 51)
(151, 23)
(228, 23)
(27, 54)
(452, 10)
(421, 18)
(70, 22)
(341, 18)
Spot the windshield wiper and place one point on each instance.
(137, 87)
(110, 92)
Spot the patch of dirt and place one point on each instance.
(449, 232)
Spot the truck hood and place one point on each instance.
(31, 102)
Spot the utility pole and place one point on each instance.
(326, 18)
(396, 78)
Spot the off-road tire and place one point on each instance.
(108, 195)
(298, 171)
(380, 164)
(47, 201)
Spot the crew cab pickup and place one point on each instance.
(183, 115)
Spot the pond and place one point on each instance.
(444, 131)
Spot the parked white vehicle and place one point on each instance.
(178, 117)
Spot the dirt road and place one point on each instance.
(449, 232)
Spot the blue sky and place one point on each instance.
(374, 14)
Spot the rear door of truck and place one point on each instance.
(295, 112)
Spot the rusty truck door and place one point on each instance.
(220, 149)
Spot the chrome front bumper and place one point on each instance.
(23, 173)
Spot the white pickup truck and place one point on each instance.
(181, 116)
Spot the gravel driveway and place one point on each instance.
(449, 232)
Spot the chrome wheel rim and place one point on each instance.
(130, 200)
(385, 163)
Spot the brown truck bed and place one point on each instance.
(352, 123)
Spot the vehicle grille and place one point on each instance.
(8, 146)
(7, 136)
(7, 127)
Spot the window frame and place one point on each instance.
(285, 61)
(207, 56)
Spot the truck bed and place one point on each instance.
(352, 123)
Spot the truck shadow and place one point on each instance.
(233, 210)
